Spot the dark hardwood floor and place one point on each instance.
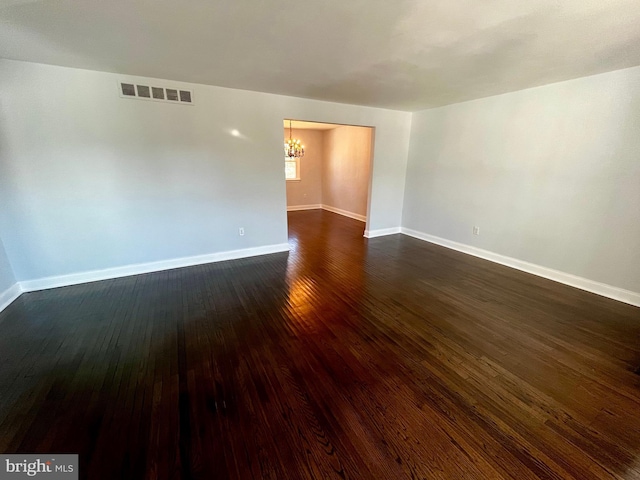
(347, 358)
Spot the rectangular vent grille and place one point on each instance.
(158, 94)
(172, 95)
(144, 92)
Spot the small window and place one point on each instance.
(292, 168)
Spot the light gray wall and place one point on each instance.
(551, 176)
(92, 181)
(7, 279)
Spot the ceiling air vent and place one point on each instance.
(172, 94)
(143, 91)
(128, 89)
(157, 94)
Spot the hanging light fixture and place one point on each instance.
(292, 147)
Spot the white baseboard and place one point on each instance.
(620, 294)
(9, 295)
(381, 232)
(344, 213)
(296, 208)
(339, 211)
(137, 269)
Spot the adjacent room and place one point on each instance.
(328, 167)
(441, 280)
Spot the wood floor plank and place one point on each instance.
(346, 358)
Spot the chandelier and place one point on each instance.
(292, 147)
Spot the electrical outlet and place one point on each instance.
(241, 231)
(476, 230)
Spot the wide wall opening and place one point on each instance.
(328, 168)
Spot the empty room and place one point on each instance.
(328, 174)
(439, 280)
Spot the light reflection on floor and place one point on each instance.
(317, 254)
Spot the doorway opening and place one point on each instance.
(333, 177)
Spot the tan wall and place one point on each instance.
(308, 190)
(346, 168)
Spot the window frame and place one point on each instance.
(295, 160)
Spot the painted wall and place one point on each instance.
(307, 190)
(89, 180)
(346, 169)
(551, 175)
(7, 279)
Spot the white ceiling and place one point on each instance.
(402, 54)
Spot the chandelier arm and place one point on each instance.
(293, 148)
